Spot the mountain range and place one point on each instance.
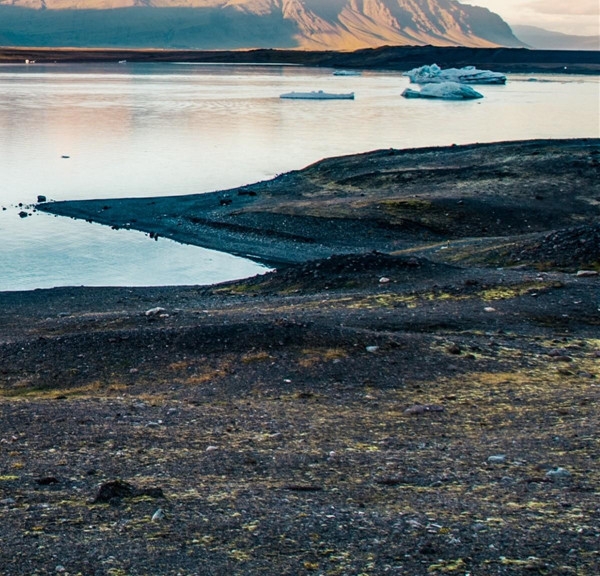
(542, 39)
(236, 24)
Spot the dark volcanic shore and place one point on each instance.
(490, 203)
(426, 408)
(513, 60)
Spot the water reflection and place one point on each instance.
(170, 129)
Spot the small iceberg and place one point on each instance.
(468, 75)
(445, 91)
(318, 95)
(347, 73)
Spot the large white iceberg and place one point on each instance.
(445, 91)
(468, 75)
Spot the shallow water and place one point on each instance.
(169, 129)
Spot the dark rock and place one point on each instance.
(453, 349)
(303, 488)
(41, 198)
(46, 481)
(118, 489)
(390, 481)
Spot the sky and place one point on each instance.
(581, 17)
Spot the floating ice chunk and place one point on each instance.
(468, 75)
(317, 95)
(347, 73)
(445, 91)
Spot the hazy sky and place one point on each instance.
(569, 16)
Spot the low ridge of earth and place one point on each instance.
(424, 404)
(401, 58)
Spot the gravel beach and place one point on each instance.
(412, 391)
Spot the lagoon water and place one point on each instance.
(133, 130)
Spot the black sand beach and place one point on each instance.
(412, 391)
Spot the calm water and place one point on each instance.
(148, 130)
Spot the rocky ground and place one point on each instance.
(425, 408)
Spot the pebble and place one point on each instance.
(489, 309)
(497, 459)
(558, 473)
(555, 352)
(155, 311)
(586, 273)
(372, 348)
(453, 348)
(384, 280)
(423, 408)
(158, 515)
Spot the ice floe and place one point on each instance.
(445, 91)
(468, 75)
(317, 95)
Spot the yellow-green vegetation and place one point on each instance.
(313, 356)
(499, 292)
(397, 210)
(28, 388)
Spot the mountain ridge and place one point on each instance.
(542, 39)
(225, 24)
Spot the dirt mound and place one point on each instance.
(569, 249)
(347, 271)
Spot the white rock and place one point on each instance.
(155, 311)
(558, 473)
(586, 273)
(372, 348)
(158, 515)
(497, 459)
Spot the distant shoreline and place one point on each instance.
(515, 60)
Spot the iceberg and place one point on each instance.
(347, 73)
(468, 75)
(319, 95)
(445, 91)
